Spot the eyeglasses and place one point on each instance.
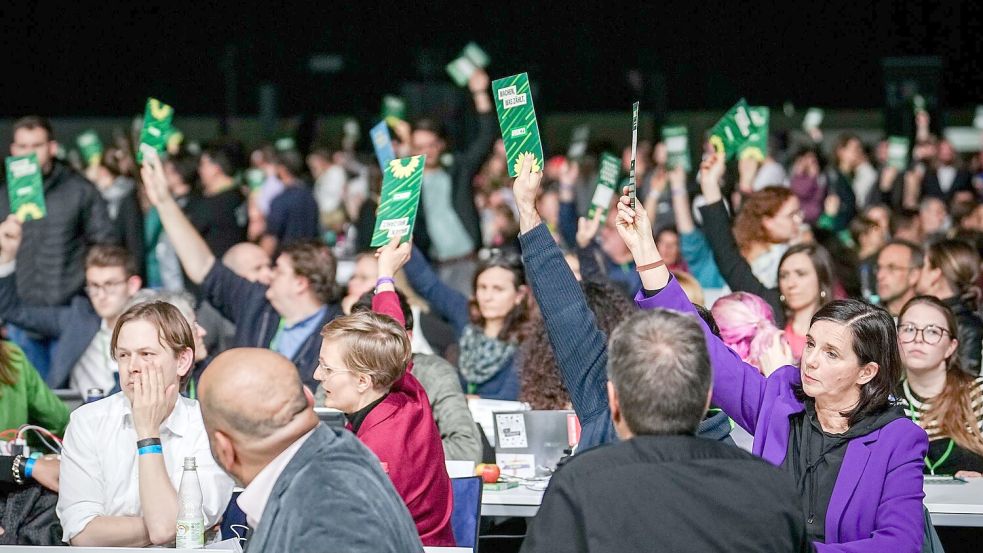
(328, 372)
(931, 334)
(492, 256)
(107, 287)
(892, 268)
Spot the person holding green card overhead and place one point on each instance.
(449, 229)
(51, 264)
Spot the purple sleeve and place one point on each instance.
(738, 388)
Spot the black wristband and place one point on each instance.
(148, 442)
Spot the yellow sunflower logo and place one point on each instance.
(158, 110)
(718, 144)
(535, 163)
(29, 211)
(401, 171)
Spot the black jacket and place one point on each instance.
(970, 334)
(51, 260)
(466, 165)
(668, 493)
(932, 188)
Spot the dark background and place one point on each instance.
(106, 58)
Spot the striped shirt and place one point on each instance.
(915, 407)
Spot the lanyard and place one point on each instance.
(192, 391)
(914, 418)
(275, 342)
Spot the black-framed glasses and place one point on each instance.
(931, 334)
(92, 288)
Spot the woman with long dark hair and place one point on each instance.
(489, 325)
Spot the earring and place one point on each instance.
(781, 298)
(822, 294)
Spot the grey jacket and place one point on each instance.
(334, 497)
(458, 431)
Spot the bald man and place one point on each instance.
(308, 488)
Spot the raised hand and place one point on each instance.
(711, 173)
(635, 229)
(479, 81)
(393, 256)
(154, 180)
(11, 233)
(587, 229)
(525, 188)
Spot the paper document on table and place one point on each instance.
(483, 413)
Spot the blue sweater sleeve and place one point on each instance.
(699, 258)
(446, 301)
(578, 344)
(568, 223)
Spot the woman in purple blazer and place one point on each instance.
(831, 423)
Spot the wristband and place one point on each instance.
(151, 449)
(650, 266)
(147, 442)
(384, 280)
(16, 471)
(29, 467)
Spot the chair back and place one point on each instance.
(466, 516)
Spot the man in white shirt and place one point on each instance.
(122, 458)
(309, 488)
(83, 328)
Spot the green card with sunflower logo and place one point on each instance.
(25, 187)
(157, 119)
(517, 118)
(401, 185)
(733, 130)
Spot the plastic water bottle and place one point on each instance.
(190, 520)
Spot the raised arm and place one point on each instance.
(48, 321)
(446, 301)
(472, 158)
(693, 244)
(737, 386)
(716, 225)
(568, 202)
(578, 344)
(190, 247)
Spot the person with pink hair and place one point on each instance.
(747, 326)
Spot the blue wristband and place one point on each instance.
(384, 280)
(147, 450)
(29, 467)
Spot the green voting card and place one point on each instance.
(401, 185)
(25, 187)
(471, 59)
(393, 109)
(676, 140)
(578, 142)
(757, 144)
(812, 119)
(255, 178)
(608, 173)
(632, 187)
(897, 152)
(157, 119)
(90, 147)
(517, 118)
(732, 131)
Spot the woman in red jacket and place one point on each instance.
(364, 369)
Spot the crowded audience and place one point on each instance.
(818, 305)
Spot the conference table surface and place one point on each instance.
(955, 504)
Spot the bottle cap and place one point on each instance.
(190, 463)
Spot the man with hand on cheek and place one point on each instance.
(123, 457)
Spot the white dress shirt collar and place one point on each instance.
(253, 499)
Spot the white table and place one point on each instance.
(514, 502)
(955, 504)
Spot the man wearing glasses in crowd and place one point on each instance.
(899, 265)
(85, 326)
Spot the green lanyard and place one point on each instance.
(192, 391)
(932, 466)
(275, 342)
(914, 418)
